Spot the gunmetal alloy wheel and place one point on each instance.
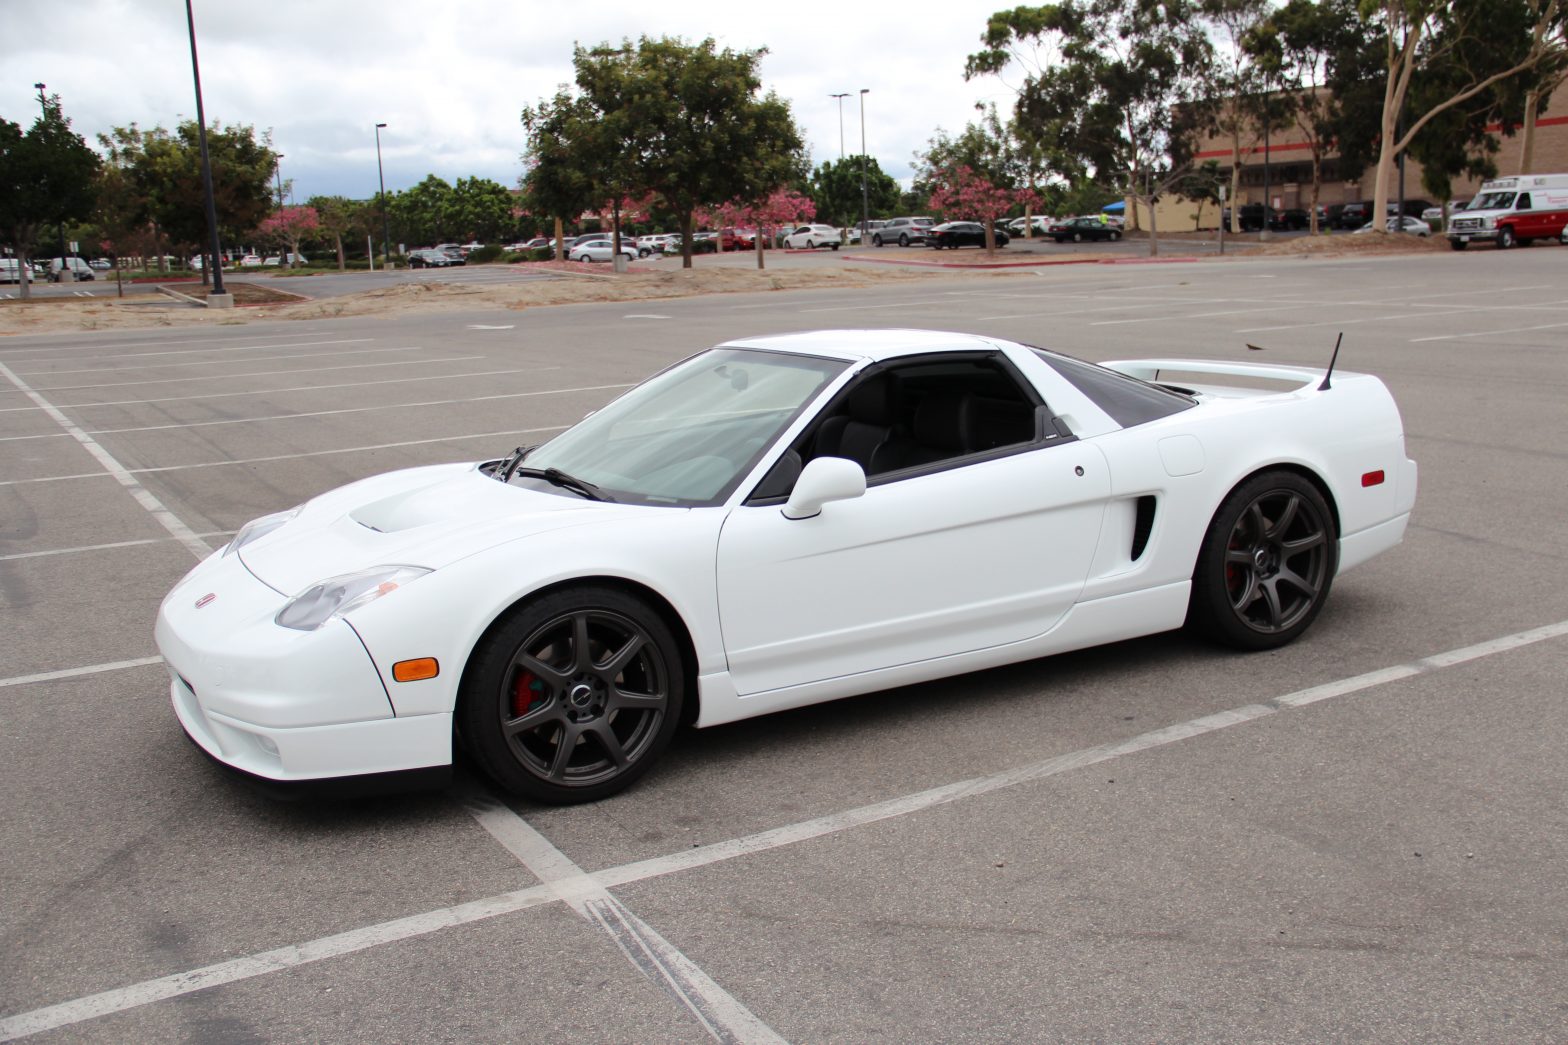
(1266, 564)
(574, 697)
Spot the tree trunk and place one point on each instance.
(1317, 187)
(760, 246)
(1532, 105)
(684, 218)
(1154, 231)
(560, 240)
(1235, 184)
(342, 260)
(24, 272)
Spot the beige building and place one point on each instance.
(1289, 161)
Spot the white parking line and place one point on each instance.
(357, 409)
(275, 391)
(68, 673)
(191, 352)
(1488, 333)
(167, 519)
(105, 547)
(263, 373)
(221, 362)
(58, 351)
(720, 1014)
(293, 956)
(287, 457)
(1191, 315)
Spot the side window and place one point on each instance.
(1524, 202)
(921, 415)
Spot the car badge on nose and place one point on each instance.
(206, 599)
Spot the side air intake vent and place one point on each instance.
(1142, 526)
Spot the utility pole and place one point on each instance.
(865, 192)
(386, 234)
(217, 297)
(840, 98)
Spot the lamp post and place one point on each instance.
(218, 298)
(865, 192)
(840, 98)
(1268, 118)
(277, 170)
(386, 235)
(66, 275)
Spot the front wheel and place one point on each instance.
(1266, 563)
(833, 245)
(1458, 244)
(1077, 237)
(876, 241)
(573, 697)
(1115, 236)
(1505, 237)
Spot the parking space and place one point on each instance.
(1351, 838)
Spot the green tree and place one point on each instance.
(422, 214)
(1122, 85)
(835, 188)
(48, 176)
(482, 210)
(338, 216)
(563, 161)
(690, 123)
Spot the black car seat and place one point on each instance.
(945, 424)
(862, 429)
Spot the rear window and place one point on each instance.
(1127, 400)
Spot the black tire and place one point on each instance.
(1266, 564)
(1458, 244)
(1115, 236)
(1505, 238)
(903, 240)
(876, 241)
(592, 666)
(1077, 237)
(833, 245)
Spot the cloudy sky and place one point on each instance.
(449, 77)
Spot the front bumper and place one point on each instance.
(280, 704)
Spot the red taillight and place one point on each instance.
(1372, 478)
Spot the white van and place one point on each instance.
(80, 270)
(1510, 211)
(11, 271)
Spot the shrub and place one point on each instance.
(490, 252)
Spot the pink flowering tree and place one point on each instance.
(781, 208)
(288, 226)
(959, 193)
(636, 210)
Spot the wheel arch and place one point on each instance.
(1311, 475)
(636, 589)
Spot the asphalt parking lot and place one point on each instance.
(1360, 837)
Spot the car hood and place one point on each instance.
(428, 517)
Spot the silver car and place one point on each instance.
(903, 231)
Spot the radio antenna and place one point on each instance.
(1324, 387)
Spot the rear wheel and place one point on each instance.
(903, 240)
(1077, 237)
(574, 697)
(1266, 563)
(1115, 236)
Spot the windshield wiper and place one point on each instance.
(556, 477)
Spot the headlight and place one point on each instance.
(1487, 223)
(336, 596)
(258, 528)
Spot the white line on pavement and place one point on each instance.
(283, 958)
(1488, 333)
(189, 352)
(276, 391)
(67, 673)
(104, 547)
(223, 362)
(167, 519)
(720, 1014)
(262, 373)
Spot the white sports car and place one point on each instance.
(771, 523)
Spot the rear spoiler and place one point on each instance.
(1150, 370)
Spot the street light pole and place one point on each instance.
(277, 169)
(66, 275)
(865, 192)
(386, 235)
(223, 299)
(840, 98)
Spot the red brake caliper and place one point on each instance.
(528, 693)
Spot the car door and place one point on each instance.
(980, 549)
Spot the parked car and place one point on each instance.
(11, 271)
(600, 250)
(101, 264)
(80, 270)
(1354, 214)
(428, 259)
(1040, 225)
(810, 237)
(1434, 214)
(955, 234)
(707, 548)
(903, 231)
(1414, 226)
(871, 227)
(655, 243)
(250, 261)
(1080, 229)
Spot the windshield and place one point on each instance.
(1492, 201)
(689, 435)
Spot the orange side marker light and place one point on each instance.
(416, 670)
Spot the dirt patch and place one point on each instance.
(243, 293)
(43, 316)
(1356, 244)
